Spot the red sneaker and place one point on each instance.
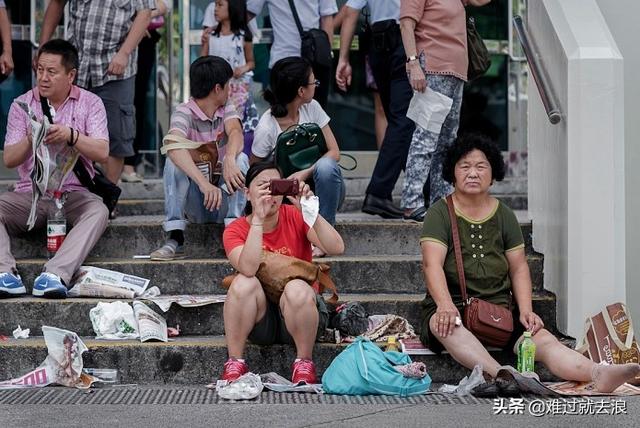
(233, 369)
(304, 371)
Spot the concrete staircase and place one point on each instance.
(381, 269)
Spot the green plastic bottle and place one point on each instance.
(526, 354)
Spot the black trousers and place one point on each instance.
(388, 67)
(146, 61)
(323, 74)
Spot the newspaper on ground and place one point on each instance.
(185, 300)
(429, 109)
(113, 320)
(51, 165)
(91, 281)
(63, 365)
(277, 383)
(151, 326)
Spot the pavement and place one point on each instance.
(373, 412)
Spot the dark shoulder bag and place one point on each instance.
(477, 52)
(315, 46)
(491, 324)
(300, 146)
(99, 184)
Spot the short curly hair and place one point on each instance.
(467, 143)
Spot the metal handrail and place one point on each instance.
(537, 71)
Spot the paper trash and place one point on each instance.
(90, 281)
(19, 333)
(151, 325)
(429, 109)
(62, 366)
(186, 301)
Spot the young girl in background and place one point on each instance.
(229, 37)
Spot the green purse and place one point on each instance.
(299, 147)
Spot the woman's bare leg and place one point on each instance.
(245, 305)
(466, 349)
(571, 365)
(298, 306)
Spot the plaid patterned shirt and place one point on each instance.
(98, 28)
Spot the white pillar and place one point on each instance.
(576, 168)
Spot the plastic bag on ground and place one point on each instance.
(246, 387)
(466, 384)
(113, 320)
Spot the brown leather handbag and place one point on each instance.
(277, 270)
(491, 324)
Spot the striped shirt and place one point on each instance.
(98, 29)
(190, 122)
(82, 111)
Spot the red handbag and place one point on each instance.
(492, 324)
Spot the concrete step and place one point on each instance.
(128, 236)
(199, 360)
(362, 274)
(131, 207)
(73, 314)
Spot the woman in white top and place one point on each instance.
(229, 37)
(290, 95)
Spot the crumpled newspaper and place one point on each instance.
(62, 366)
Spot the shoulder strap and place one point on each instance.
(174, 142)
(46, 110)
(294, 12)
(326, 283)
(456, 248)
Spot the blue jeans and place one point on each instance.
(329, 187)
(183, 199)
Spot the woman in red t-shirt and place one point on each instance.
(278, 228)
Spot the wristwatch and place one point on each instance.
(411, 58)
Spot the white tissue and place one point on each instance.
(19, 333)
(310, 208)
(429, 109)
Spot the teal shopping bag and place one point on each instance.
(363, 369)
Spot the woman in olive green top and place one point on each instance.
(495, 267)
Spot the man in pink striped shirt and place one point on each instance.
(79, 124)
(191, 189)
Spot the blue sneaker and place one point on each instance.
(50, 286)
(11, 285)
